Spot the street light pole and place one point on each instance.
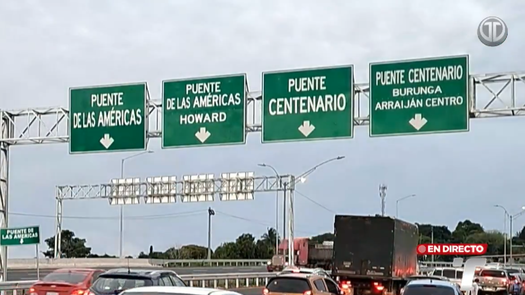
(504, 233)
(401, 199)
(121, 213)
(290, 186)
(291, 224)
(211, 212)
(511, 234)
(277, 208)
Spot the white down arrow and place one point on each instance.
(203, 134)
(107, 141)
(418, 122)
(306, 128)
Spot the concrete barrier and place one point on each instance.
(27, 263)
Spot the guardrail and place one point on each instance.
(435, 264)
(131, 262)
(223, 281)
(207, 263)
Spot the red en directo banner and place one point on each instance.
(451, 249)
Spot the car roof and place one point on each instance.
(300, 275)
(183, 290)
(137, 272)
(432, 282)
(303, 269)
(448, 268)
(74, 269)
(423, 277)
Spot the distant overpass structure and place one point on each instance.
(30, 263)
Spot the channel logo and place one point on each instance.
(451, 249)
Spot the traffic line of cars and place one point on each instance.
(308, 281)
(118, 281)
(492, 279)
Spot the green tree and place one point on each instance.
(246, 246)
(193, 252)
(323, 237)
(71, 247)
(494, 240)
(101, 256)
(265, 246)
(227, 251)
(465, 229)
(441, 233)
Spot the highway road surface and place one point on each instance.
(249, 291)
(31, 274)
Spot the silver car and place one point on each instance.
(431, 287)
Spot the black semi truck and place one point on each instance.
(373, 254)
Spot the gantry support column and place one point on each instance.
(6, 131)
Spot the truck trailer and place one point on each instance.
(307, 254)
(373, 254)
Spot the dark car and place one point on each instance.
(117, 280)
(423, 277)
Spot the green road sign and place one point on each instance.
(204, 111)
(20, 236)
(108, 118)
(419, 96)
(308, 104)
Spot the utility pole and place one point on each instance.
(284, 216)
(510, 236)
(382, 195)
(211, 212)
(432, 241)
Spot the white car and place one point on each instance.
(316, 271)
(156, 290)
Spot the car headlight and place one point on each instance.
(268, 263)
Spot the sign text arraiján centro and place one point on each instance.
(419, 96)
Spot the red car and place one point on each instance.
(66, 281)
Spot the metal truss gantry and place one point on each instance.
(492, 95)
(180, 191)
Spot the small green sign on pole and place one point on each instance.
(308, 104)
(204, 111)
(419, 96)
(20, 236)
(108, 118)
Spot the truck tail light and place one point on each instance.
(378, 286)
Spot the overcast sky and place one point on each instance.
(48, 46)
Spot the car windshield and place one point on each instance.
(428, 290)
(110, 284)
(66, 277)
(288, 285)
(492, 273)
